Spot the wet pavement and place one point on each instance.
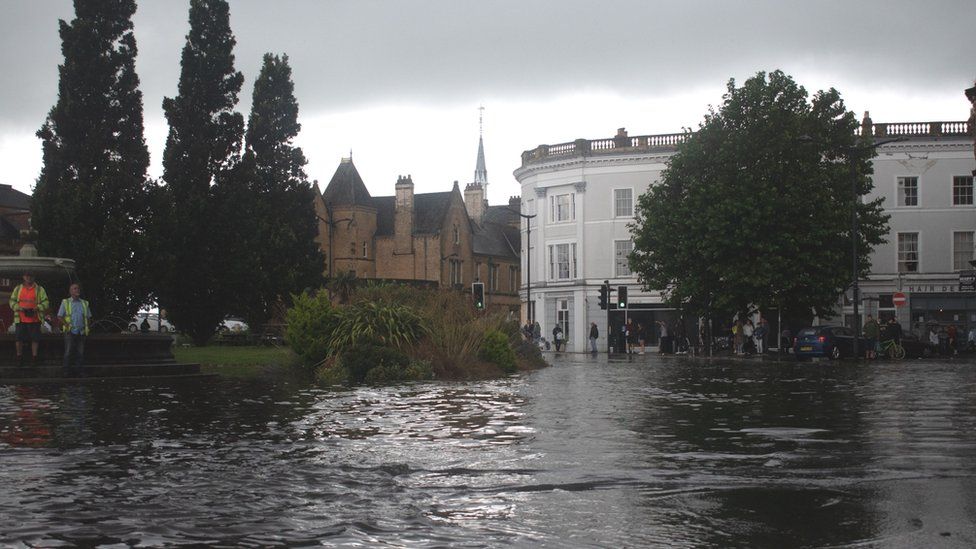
(639, 451)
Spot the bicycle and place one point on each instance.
(891, 349)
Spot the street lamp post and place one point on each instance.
(528, 264)
(855, 288)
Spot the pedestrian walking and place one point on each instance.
(594, 334)
(737, 336)
(557, 337)
(871, 333)
(631, 336)
(662, 328)
(641, 336)
(748, 330)
(75, 315)
(760, 335)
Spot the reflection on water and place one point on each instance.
(588, 453)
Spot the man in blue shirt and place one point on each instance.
(74, 314)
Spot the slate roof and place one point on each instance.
(385, 208)
(429, 211)
(13, 199)
(496, 239)
(502, 215)
(346, 187)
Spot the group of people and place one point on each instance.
(29, 303)
(748, 337)
(875, 334)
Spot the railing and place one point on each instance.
(919, 129)
(623, 143)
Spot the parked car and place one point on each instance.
(826, 341)
(136, 324)
(232, 324)
(916, 347)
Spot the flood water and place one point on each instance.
(646, 452)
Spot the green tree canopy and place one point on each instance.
(272, 190)
(90, 201)
(754, 210)
(192, 256)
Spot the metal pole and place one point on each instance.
(528, 270)
(856, 290)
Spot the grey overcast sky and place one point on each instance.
(399, 83)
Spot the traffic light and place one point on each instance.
(478, 291)
(604, 296)
(622, 297)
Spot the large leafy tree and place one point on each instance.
(754, 210)
(271, 188)
(202, 147)
(89, 203)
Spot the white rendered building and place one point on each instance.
(583, 195)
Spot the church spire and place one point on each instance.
(480, 172)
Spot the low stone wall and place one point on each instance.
(99, 349)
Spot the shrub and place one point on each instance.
(528, 354)
(359, 359)
(496, 349)
(385, 323)
(419, 370)
(331, 375)
(311, 322)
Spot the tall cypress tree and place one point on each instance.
(203, 143)
(279, 197)
(89, 203)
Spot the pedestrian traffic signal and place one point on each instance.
(604, 296)
(622, 297)
(478, 291)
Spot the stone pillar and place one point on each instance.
(580, 221)
(539, 270)
(581, 328)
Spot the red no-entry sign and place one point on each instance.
(899, 299)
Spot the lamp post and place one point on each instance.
(529, 317)
(855, 289)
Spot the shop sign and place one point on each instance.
(967, 281)
(927, 288)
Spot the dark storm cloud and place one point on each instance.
(358, 52)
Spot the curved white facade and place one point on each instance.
(583, 194)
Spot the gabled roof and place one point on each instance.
(429, 211)
(346, 187)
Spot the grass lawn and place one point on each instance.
(236, 361)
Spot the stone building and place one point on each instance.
(444, 239)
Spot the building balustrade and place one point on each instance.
(670, 141)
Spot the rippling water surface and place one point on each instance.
(588, 453)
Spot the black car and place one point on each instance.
(918, 348)
(827, 341)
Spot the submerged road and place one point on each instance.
(592, 452)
